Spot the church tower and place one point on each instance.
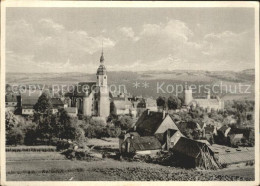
(103, 101)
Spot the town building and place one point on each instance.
(72, 111)
(28, 100)
(93, 98)
(150, 123)
(207, 103)
(151, 104)
(123, 106)
(169, 138)
(11, 101)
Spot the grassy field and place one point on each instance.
(108, 170)
(52, 166)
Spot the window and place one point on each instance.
(97, 77)
(105, 77)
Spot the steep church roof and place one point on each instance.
(82, 87)
(101, 69)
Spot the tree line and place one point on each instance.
(46, 127)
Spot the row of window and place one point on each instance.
(6, 103)
(104, 77)
(27, 110)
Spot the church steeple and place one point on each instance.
(101, 71)
(102, 55)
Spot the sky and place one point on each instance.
(134, 39)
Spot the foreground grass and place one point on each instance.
(52, 166)
(32, 156)
(146, 173)
(108, 170)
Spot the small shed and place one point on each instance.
(190, 154)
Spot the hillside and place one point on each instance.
(153, 78)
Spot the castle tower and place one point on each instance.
(103, 103)
(187, 96)
(208, 95)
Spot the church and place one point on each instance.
(92, 98)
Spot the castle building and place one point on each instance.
(93, 98)
(207, 103)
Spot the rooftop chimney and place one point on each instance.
(148, 112)
(164, 113)
(135, 128)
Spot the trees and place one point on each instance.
(30, 132)
(43, 117)
(124, 122)
(43, 105)
(15, 137)
(174, 103)
(64, 125)
(141, 104)
(161, 102)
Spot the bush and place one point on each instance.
(80, 136)
(31, 134)
(125, 122)
(15, 137)
(113, 132)
(95, 132)
(62, 145)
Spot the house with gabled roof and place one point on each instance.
(224, 130)
(151, 123)
(169, 138)
(11, 100)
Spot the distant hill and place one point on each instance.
(153, 78)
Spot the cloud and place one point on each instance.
(230, 46)
(172, 30)
(49, 42)
(47, 45)
(128, 32)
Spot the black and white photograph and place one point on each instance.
(142, 91)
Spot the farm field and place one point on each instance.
(43, 166)
(108, 169)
